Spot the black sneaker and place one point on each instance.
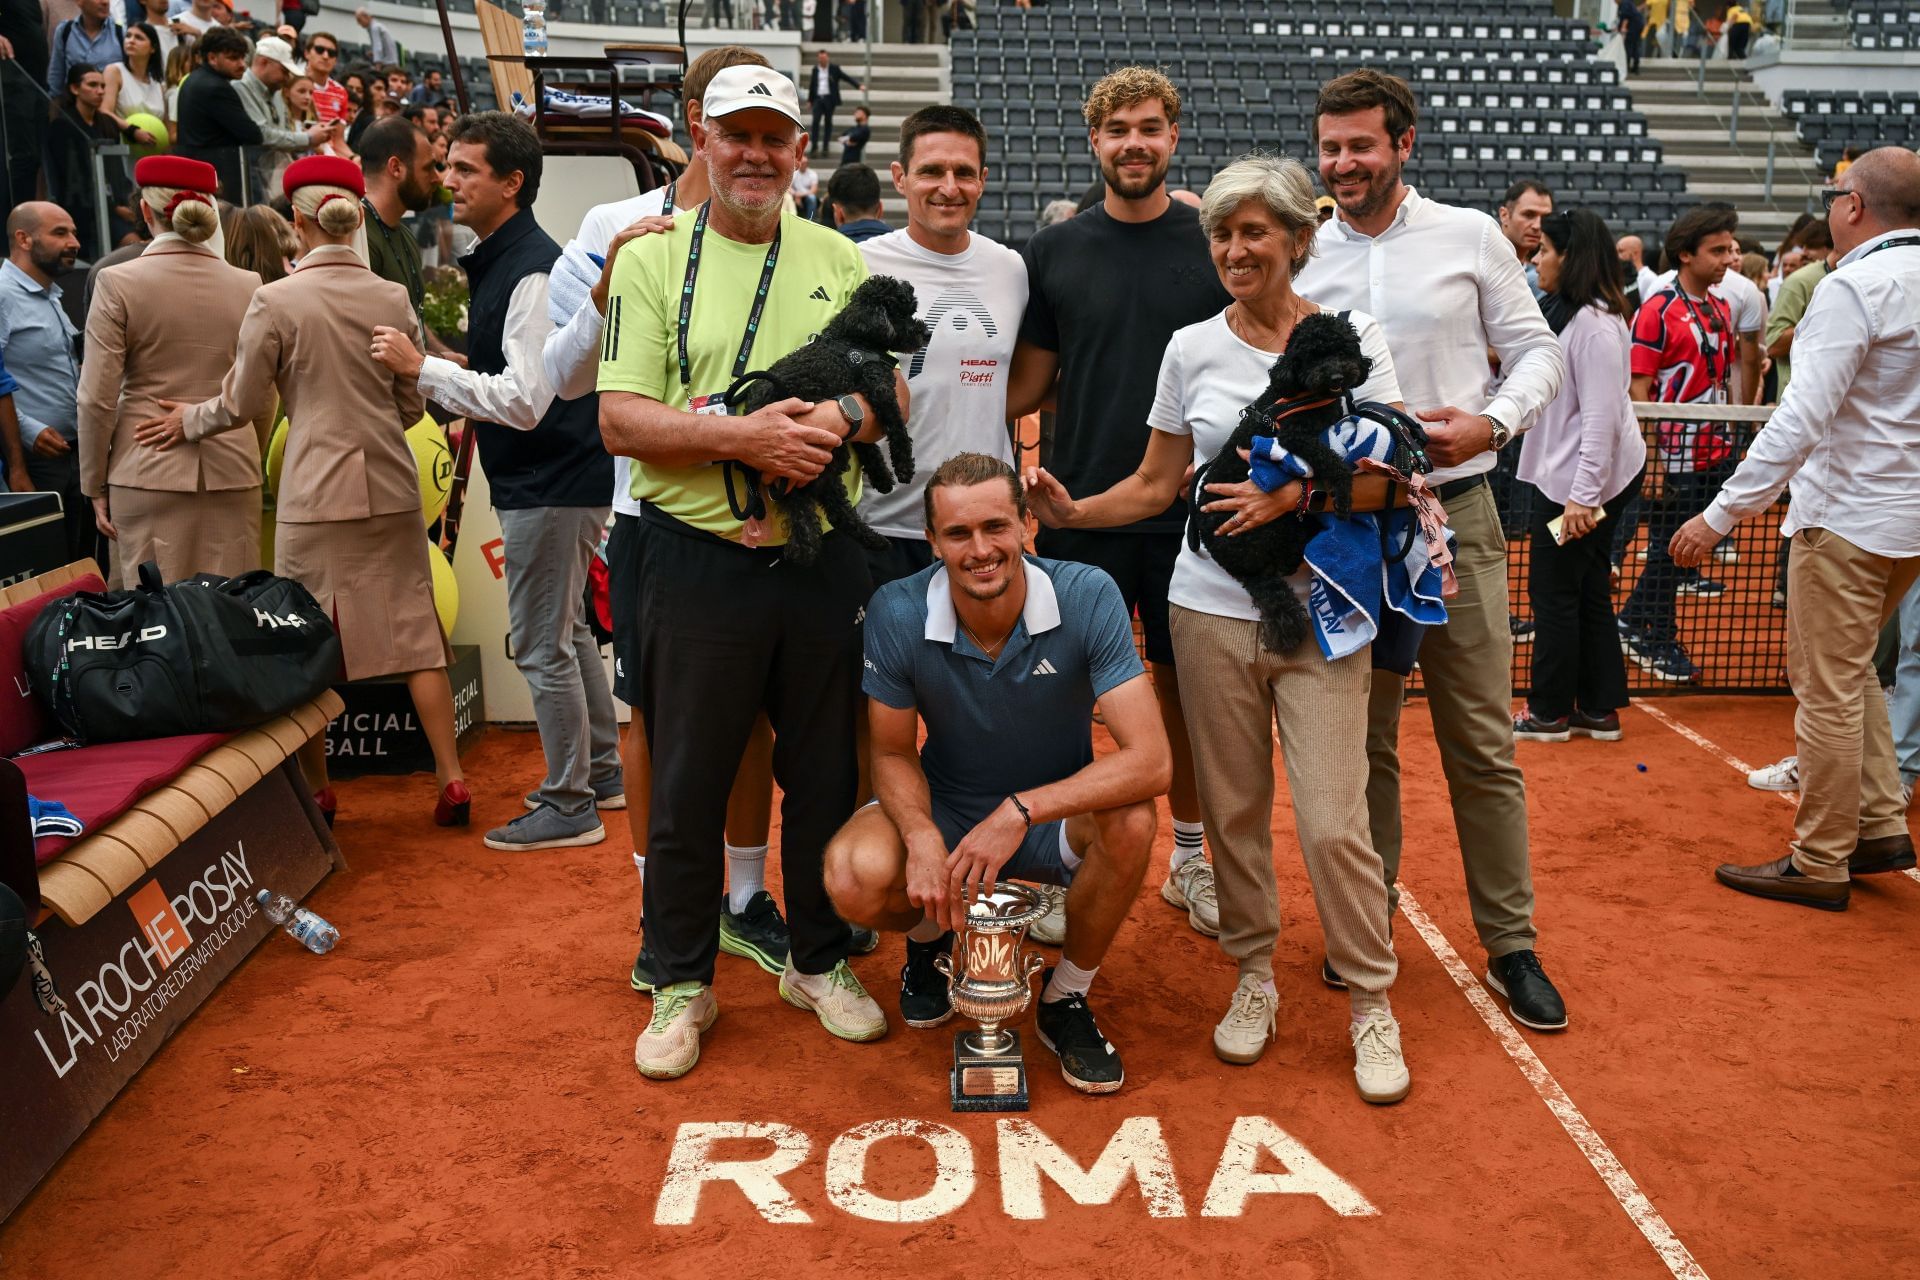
(865, 941)
(643, 971)
(759, 933)
(1531, 997)
(924, 1001)
(1529, 727)
(1330, 976)
(1089, 1063)
(1520, 628)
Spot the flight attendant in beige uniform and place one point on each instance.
(194, 509)
(348, 510)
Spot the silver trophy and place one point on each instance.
(992, 985)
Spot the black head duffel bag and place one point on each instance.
(203, 655)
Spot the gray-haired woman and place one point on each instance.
(1259, 215)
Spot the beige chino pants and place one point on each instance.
(1234, 692)
(1838, 598)
(1467, 669)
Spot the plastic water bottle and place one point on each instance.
(533, 28)
(304, 927)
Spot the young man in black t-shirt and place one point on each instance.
(1107, 289)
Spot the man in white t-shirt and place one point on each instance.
(806, 189)
(577, 301)
(972, 293)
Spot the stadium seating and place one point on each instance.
(1831, 120)
(1884, 24)
(1506, 90)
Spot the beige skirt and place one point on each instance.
(373, 579)
(186, 533)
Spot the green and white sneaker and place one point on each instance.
(837, 999)
(1190, 887)
(758, 934)
(670, 1045)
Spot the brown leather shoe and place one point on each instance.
(1883, 853)
(1778, 879)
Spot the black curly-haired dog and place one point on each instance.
(848, 357)
(1304, 396)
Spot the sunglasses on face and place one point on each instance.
(322, 51)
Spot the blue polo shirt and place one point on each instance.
(1025, 720)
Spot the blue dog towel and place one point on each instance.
(51, 818)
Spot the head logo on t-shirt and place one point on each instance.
(955, 308)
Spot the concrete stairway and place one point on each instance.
(1694, 130)
(1816, 24)
(903, 78)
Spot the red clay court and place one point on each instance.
(451, 1092)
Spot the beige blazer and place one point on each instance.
(310, 335)
(163, 326)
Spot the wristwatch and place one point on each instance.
(856, 417)
(1501, 432)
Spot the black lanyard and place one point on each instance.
(753, 318)
(416, 287)
(666, 205)
(1898, 242)
(1711, 322)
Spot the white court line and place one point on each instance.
(1639, 1209)
(1713, 748)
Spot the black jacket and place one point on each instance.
(835, 78)
(561, 462)
(213, 125)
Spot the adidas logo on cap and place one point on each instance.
(762, 90)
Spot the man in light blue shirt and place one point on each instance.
(91, 38)
(36, 341)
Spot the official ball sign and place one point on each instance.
(379, 732)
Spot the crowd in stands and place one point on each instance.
(1142, 320)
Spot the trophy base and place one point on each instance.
(988, 1082)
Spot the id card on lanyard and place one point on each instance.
(752, 513)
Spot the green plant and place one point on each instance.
(445, 307)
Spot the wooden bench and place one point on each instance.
(142, 916)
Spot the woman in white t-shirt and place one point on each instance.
(1260, 217)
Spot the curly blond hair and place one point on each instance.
(1127, 87)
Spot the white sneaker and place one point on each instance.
(1244, 1034)
(1906, 793)
(837, 999)
(1378, 1067)
(1051, 928)
(1190, 888)
(1784, 775)
(670, 1045)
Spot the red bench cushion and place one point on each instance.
(23, 721)
(102, 782)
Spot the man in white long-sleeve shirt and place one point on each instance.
(1445, 286)
(547, 470)
(1846, 442)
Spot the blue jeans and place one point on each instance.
(547, 550)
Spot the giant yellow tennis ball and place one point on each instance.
(153, 125)
(276, 456)
(446, 589)
(434, 461)
(431, 459)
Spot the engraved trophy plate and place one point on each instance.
(992, 985)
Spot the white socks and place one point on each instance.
(746, 875)
(1187, 838)
(1069, 979)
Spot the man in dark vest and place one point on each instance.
(549, 474)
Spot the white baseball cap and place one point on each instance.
(747, 88)
(280, 51)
